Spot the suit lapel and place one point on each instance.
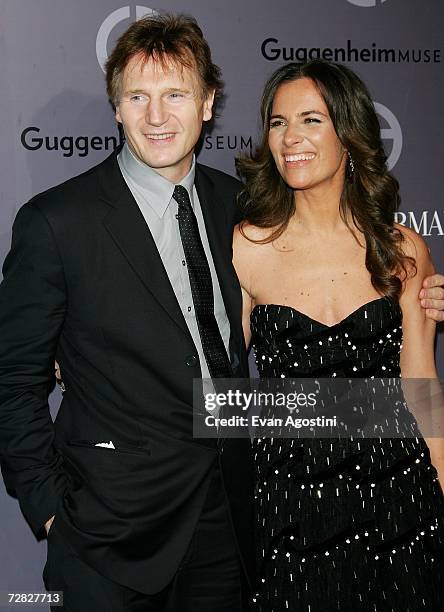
(128, 229)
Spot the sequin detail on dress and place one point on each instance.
(343, 525)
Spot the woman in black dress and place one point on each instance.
(330, 288)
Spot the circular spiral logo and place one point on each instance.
(366, 3)
(393, 133)
(110, 22)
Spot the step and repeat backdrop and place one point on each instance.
(56, 121)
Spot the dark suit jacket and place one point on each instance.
(84, 283)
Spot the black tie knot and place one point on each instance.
(181, 196)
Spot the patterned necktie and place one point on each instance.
(201, 287)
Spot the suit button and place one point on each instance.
(191, 361)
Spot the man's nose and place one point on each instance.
(156, 113)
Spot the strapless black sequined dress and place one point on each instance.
(343, 525)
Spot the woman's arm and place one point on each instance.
(247, 307)
(417, 355)
(241, 262)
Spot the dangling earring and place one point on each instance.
(351, 167)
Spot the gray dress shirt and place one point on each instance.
(154, 196)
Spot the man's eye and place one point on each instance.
(175, 95)
(138, 99)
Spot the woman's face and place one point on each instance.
(302, 139)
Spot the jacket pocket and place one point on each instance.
(125, 447)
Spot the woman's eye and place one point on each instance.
(276, 123)
(311, 120)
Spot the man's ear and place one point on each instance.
(117, 115)
(208, 105)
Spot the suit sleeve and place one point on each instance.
(238, 210)
(32, 311)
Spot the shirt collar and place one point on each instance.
(157, 190)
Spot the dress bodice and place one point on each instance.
(367, 342)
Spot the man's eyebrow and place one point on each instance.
(182, 89)
(134, 91)
(167, 90)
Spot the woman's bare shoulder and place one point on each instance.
(414, 245)
(248, 236)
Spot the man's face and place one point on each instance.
(162, 110)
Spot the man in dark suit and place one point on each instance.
(124, 275)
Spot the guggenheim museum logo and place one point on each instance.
(110, 22)
(366, 3)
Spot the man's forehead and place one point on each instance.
(157, 69)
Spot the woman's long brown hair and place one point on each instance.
(370, 195)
